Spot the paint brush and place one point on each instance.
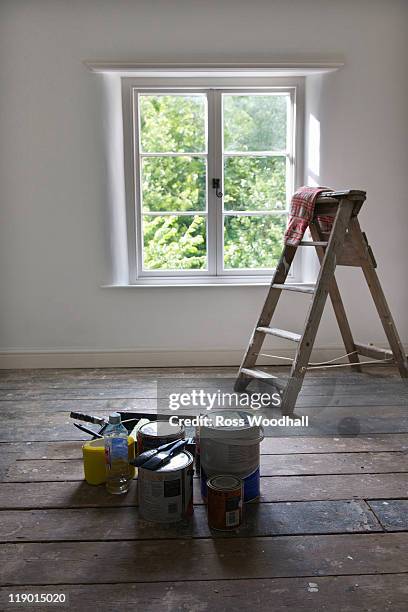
(156, 457)
(141, 459)
(88, 431)
(160, 459)
(88, 418)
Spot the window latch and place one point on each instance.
(216, 185)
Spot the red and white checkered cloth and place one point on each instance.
(301, 213)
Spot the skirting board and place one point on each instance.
(143, 358)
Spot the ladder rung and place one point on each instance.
(313, 243)
(256, 373)
(299, 288)
(267, 378)
(280, 333)
(373, 352)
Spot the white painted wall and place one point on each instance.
(54, 239)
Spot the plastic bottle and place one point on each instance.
(116, 456)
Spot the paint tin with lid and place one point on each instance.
(225, 497)
(154, 434)
(229, 444)
(166, 495)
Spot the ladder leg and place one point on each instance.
(268, 309)
(338, 306)
(379, 299)
(326, 273)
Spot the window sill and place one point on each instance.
(237, 281)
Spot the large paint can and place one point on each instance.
(154, 434)
(166, 495)
(224, 502)
(229, 444)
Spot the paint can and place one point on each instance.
(251, 486)
(229, 444)
(155, 433)
(166, 495)
(224, 502)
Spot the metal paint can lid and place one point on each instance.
(178, 462)
(161, 429)
(224, 482)
(226, 425)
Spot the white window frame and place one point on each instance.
(213, 87)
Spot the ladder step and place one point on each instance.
(373, 352)
(298, 288)
(256, 373)
(313, 243)
(267, 378)
(280, 333)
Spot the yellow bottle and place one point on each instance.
(94, 460)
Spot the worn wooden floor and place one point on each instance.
(330, 531)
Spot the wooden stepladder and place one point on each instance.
(345, 245)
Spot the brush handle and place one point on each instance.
(178, 446)
(88, 431)
(143, 457)
(146, 455)
(159, 459)
(88, 418)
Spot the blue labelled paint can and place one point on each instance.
(251, 485)
(229, 444)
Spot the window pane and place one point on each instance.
(170, 123)
(255, 123)
(174, 242)
(253, 242)
(255, 183)
(174, 184)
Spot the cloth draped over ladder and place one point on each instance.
(301, 214)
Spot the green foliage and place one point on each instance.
(253, 242)
(171, 123)
(254, 123)
(254, 183)
(175, 184)
(174, 243)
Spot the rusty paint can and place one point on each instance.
(166, 495)
(154, 434)
(225, 497)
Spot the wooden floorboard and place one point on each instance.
(71, 449)
(373, 593)
(162, 387)
(208, 559)
(61, 375)
(328, 533)
(75, 494)
(271, 465)
(125, 523)
(22, 423)
(392, 514)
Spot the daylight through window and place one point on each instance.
(189, 224)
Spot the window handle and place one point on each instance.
(216, 185)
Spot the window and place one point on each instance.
(213, 173)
